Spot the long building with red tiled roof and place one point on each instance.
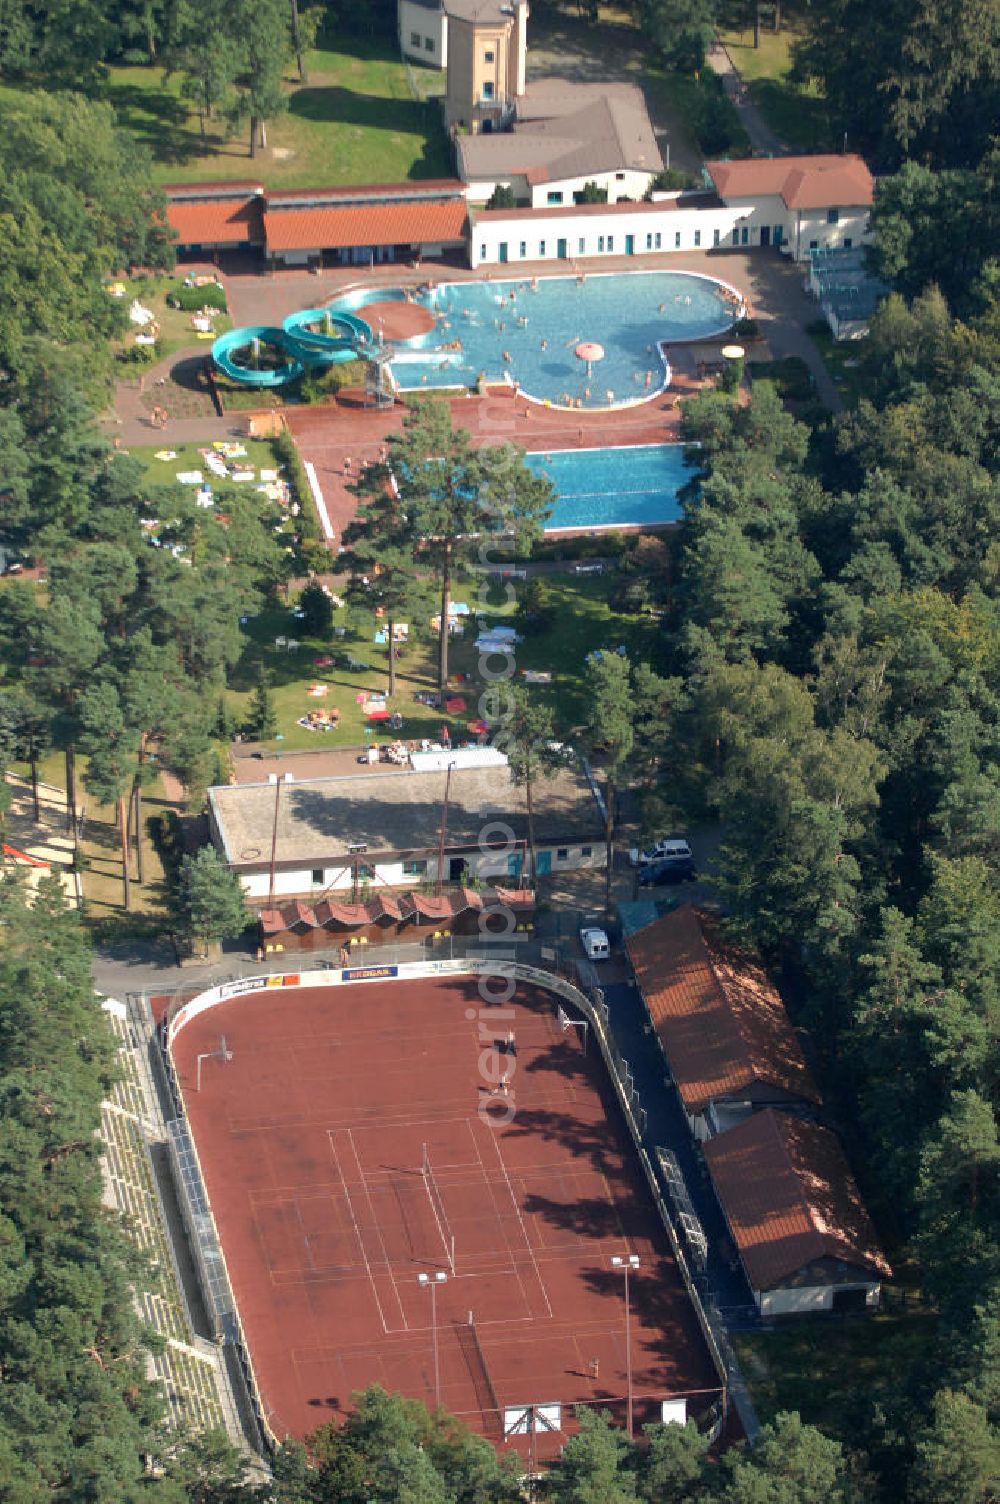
(795, 1214)
(728, 1043)
(297, 227)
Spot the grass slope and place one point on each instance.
(354, 122)
(795, 113)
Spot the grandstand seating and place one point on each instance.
(188, 1378)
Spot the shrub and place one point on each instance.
(791, 376)
(591, 193)
(138, 355)
(746, 329)
(191, 298)
(502, 197)
(670, 180)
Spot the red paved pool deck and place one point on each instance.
(328, 436)
(311, 1143)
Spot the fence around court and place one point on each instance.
(595, 1013)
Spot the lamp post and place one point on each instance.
(627, 1265)
(431, 1282)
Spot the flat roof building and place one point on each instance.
(384, 828)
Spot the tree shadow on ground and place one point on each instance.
(161, 120)
(335, 105)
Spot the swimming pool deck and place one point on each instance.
(328, 436)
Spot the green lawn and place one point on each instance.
(176, 330)
(580, 621)
(260, 454)
(844, 361)
(354, 122)
(794, 112)
(834, 1372)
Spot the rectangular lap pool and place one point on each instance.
(635, 486)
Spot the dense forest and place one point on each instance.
(827, 686)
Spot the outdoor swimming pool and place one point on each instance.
(606, 488)
(527, 330)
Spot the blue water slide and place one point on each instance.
(312, 337)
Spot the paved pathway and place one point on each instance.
(763, 141)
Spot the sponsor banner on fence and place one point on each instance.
(368, 973)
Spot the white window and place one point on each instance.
(562, 854)
(318, 876)
(541, 248)
(414, 39)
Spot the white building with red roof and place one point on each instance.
(799, 204)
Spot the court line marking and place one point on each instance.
(357, 1234)
(378, 1229)
(524, 1230)
(305, 1235)
(515, 1262)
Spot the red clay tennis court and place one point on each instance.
(345, 1153)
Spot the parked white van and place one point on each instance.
(595, 944)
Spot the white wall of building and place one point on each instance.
(760, 221)
(628, 184)
(809, 1299)
(337, 877)
(622, 231)
(419, 26)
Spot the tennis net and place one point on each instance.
(437, 1207)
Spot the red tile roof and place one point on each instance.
(420, 222)
(819, 182)
(351, 915)
(516, 898)
(217, 221)
(790, 1199)
(464, 900)
(298, 913)
(718, 1016)
(383, 906)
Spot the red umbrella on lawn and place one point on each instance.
(590, 351)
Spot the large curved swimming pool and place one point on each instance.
(526, 330)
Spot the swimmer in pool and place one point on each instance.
(544, 344)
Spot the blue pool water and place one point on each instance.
(604, 488)
(538, 327)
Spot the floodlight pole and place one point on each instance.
(431, 1282)
(627, 1265)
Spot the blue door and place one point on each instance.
(503, 250)
(562, 250)
(544, 861)
(514, 862)
(630, 245)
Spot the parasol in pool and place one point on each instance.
(590, 351)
